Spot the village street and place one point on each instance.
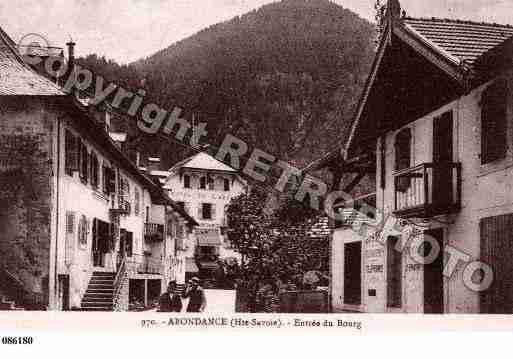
(218, 301)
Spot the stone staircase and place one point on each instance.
(100, 293)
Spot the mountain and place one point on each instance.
(285, 78)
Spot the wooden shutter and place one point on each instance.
(200, 211)
(496, 248)
(493, 121)
(394, 273)
(213, 212)
(70, 222)
(69, 145)
(383, 173)
(403, 157)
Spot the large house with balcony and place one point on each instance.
(203, 186)
(434, 126)
(81, 227)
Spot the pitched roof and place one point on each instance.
(465, 40)
(17, 78)
(204, 161)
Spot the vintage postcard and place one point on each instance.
(311, 165)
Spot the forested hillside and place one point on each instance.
(284, 77)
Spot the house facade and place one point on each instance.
(203, 187)
(434, 126)
(82, 227)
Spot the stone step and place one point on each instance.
(104, 274)
(96, 304)
(101, 281)
(100, 288)
(99, 297)
(98, 309)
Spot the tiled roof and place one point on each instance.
(465, 40)
(203, 160)
(17, 78)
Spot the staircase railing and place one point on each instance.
(119, 281)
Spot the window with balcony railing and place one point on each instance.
(154, 232)
(427, 190)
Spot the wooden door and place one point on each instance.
(433, 276)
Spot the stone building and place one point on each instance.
(80, 225)
(434, 126)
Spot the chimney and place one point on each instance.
(71, 54)
(71, 61)
(153, 164)
(394, 9)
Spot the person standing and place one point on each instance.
(170, 301)
(196, 295)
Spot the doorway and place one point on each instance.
(353, 273)
(433, 275)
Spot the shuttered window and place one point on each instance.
(206, 211)
(94, 164)
(383, 168)
(70, 222)
(203, 183)
(187, 181)
(493, 122)
(403, 157)
(496, 235)
(137, 201)
(109, 180)
(71, 153)
(394, 273)
(84, 162)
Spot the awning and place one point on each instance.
(208, 265)
(208, 236)
(190, 265)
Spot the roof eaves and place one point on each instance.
(456, 61)
(385, 40)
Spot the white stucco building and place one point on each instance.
(434, 127)
(204, 186)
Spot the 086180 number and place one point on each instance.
(17, 340)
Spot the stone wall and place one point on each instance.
(25, 199)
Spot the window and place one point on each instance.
(70, 222)
(170, 228)
(493, 122)
(226, 185)
(84, 162)
(206, 211)
(383, 172)
(210, 182)
(109, 180)
(137, 200)
(71, 153)
(402, 157)
(394, 273)
(83, 230)
(203, 183)
(124, 194)
(186, 181)
(94, 170)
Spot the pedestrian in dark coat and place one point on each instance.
(196, 295)
(170, 301)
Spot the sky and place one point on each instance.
(127, 30)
